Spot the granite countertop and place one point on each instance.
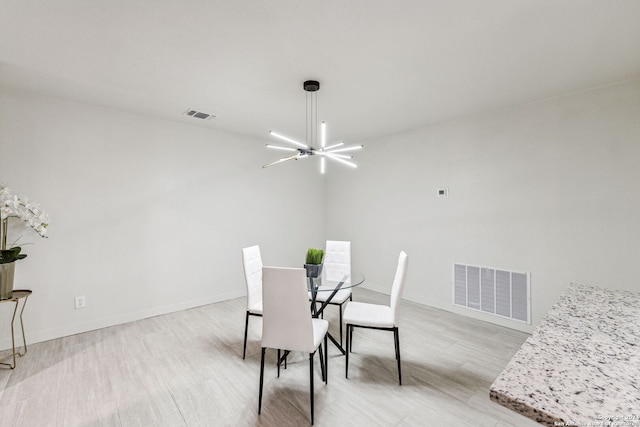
(581, 365)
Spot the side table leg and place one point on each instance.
(24, 337)
(16, 297)
(13, 338)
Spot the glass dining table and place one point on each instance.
(331, 281)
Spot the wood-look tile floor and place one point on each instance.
(186, 369)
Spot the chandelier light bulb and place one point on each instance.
(350, 148)
(285, 138)
(338, 159)
(332, 154)
(331, 147)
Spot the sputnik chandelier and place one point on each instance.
(310, 147)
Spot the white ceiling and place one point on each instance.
(384, 66)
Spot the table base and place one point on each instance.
(17, 296)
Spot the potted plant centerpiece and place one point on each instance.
(313, 263)
(13, 206)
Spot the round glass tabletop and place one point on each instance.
(331, 279)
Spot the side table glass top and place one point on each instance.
(17, 294)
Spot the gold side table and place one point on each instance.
(16, 296)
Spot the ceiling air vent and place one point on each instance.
(199, 115)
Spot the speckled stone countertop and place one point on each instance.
(581, 365)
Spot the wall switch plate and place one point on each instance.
(81, 302)
(443, 192)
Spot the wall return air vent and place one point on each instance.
(199, 114)
(499, 292)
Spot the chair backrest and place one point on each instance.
(286, 315)
(337, 259)
(398, 284)
(252, 263)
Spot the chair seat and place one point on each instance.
(255, 308)
(340, 297)
(320, 328)
(372, 315)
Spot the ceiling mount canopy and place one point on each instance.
(311, 86)
(311, 147)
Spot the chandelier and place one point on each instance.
(311, 146)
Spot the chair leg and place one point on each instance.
(246, 329)
(261, 380)
(311, 384)
(322, 364)
(340, 308)
(326, 361)
(397, 341)
(346, 353)
(278, 363)
(350, 338)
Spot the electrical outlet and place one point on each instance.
(81, 302)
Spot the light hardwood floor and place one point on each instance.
(186, 369)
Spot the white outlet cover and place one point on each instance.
(80, 302)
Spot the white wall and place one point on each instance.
(148, 216)
(551, 188)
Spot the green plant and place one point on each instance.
(314, 256)
(11, 255)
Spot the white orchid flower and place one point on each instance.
(21, 207)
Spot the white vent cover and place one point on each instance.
(503, 293)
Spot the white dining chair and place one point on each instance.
(252, 264)
(337, 263)
(287, 323)
(374, 316)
